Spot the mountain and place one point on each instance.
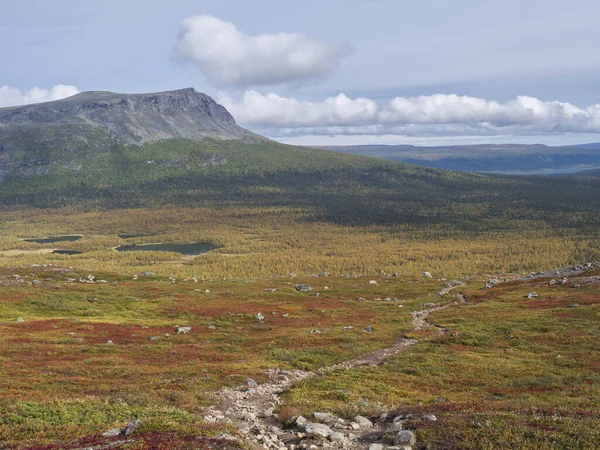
(34, 138)
(489, 158)
(109, 151)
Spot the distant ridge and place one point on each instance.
(487, 158)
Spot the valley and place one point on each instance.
(169, 286)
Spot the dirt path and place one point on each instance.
(251, 408)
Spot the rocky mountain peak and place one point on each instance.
(127, 118)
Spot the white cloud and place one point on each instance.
(10, 96)
(438, 114)
(228, 57)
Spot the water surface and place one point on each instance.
(51, 240)
(66, 252)
(191, 249)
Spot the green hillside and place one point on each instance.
(338, 187)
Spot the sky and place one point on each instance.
(326, 72)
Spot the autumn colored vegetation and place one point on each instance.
(87, 357)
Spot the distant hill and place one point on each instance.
(102, 150)
(505, 158)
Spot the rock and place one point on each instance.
(369, 329)
(321, 417)
(372, 282)
(20, 320)
(251, 383)
(131, 426)
(337, 437)
(304, 287)
(248, 416)
(267, 412)
(427, 275)
(574, 305)
(244, 428)
(318, 429)
(363, 422)
(429, 417)
(259, 317)
(301, 422)
(183, 330)
(395, 426)
(533, 295)
(405, 437)
(112, 433)
(289, 438)
(375, 447)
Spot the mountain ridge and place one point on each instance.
(486, 158)
(129, 118)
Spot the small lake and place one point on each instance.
(66, 252)
(51, 240)
(193, 249)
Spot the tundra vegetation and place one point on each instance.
(87, 341)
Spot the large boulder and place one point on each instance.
(405, 438)
(318, 430)
(363, 422)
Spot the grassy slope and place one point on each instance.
(521, 373)
(336, 187)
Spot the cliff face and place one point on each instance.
(126, 118)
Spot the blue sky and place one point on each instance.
(410, 71)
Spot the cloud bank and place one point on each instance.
(228, 57)
(438, 114)
(10, 96)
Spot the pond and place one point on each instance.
(66, 252)
(51, 240)
(192, 249)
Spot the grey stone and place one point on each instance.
(289, 438)
(131, 427)
(248, 416)
(375, 447)
(304, 287)
(405, 437)
(321, 417)
(244, 427)
(363, 422)
(301, 422)
(429, 417)
(112, 433)
(337, 437)
(395, 426)
(318, 429)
